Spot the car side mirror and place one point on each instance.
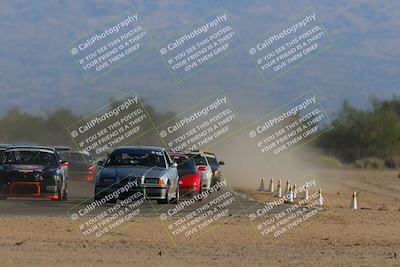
(221, 163)
(100, 163)
(174, 165)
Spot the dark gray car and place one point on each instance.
(137, 168)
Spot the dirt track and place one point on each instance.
(337, 236)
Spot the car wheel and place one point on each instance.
(65, 195)
(219, 189)
(200, 198)
(112, 201)
(100, 197)
(166, 199)
(177, 196)
(198, 195)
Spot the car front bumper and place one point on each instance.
(189, 189)
(29, 190)
(150, 192)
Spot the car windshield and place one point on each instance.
(212, 161)
(199, 160)
(185, 166)
(143, 158)
(30, 158)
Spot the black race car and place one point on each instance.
(32, 172)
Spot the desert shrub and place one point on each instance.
(363, 133)
(369, 163)
(393, 162)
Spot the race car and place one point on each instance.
(203, 166)
(32, 172)
(215, 167)
(80, 165)
(133, 169)
(189, 175)
(61, 150)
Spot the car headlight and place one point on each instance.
(152, 180)
(159, 181)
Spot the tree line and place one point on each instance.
(365, 133)
(357, 133)
(50, 129)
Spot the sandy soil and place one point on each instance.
(336, 236)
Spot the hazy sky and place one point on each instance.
(38, 73)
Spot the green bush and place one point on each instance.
(369, 163)
(393, 162)
(360, 134)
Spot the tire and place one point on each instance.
(61, 193)
(65, 195)
(166, 200)
(112, 201)
(219, 189)
(195, 195)
(201, 191)
(99, 197)
(177, 196)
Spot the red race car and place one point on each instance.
(189, 176)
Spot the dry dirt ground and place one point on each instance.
(336, 236)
